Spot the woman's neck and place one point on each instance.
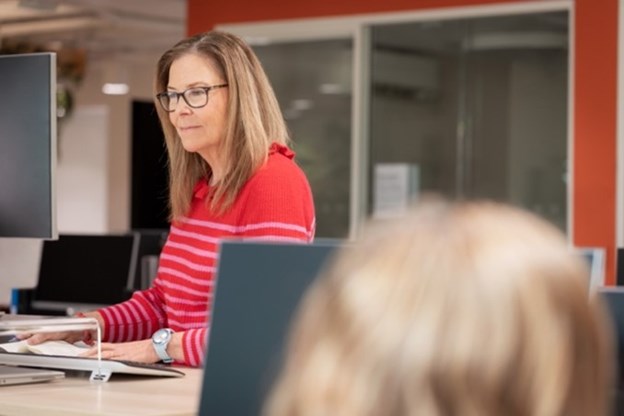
(217, 166)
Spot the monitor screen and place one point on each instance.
(28, 145)
(84, 272)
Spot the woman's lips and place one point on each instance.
(187, 128)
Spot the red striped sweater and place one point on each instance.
(275, 204)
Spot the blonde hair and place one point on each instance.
(254, 120)
(473, 309)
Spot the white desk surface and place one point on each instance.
(122, 395)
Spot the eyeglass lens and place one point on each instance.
(194, 97)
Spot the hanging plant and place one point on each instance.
(70, 70)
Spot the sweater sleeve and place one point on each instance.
(140, 316)
(136, 318)
(194, 342)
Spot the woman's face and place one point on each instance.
(201, 129)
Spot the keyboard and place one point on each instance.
(89, 364)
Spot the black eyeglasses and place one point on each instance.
(195, 97)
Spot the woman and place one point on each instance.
(468, 309)
(231, 176)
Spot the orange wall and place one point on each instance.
(595, 89)
(595, 84)
(203, 15)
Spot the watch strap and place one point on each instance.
(161, 348)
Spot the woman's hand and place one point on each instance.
(140, 351)
(34, 339)
(69, 336)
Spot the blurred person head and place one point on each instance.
(462, 309)
(217, 109)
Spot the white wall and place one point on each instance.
(82, 184)
(93, 171)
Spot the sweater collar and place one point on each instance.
(202, 188)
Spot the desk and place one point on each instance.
(122, 395)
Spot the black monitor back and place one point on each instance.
(619, 266)
(258, 289)
(79, 272)
(614, 299)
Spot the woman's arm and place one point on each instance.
(187, 347)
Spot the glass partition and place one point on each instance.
(475, 108)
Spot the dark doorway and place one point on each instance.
(149, 169)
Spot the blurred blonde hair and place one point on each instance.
(254, 120)
(468, 309)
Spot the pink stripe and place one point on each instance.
(184, 289)
(194, 346)
(277, 238)
(191, 249)
(147, 328)
(143, 315)
(185, 313)
(187, 348)
(185, 276)
(196, 236)
(139, 323)
(139, 306)
(183, 301)
(125, 311)
(174, 323)
(116, 336)
(109, 323)
(242, 228)
(198, 348)
(153, 301)
(273, 224)
(202, 345)
(187, 263)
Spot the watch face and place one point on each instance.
(160, 336)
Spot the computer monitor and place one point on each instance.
(595, 258)
(258, 289)
(28, 146)
(84, 272)
(614, 299)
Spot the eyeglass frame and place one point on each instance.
(183, 95)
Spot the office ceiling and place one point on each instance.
(104, 29)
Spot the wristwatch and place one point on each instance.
(160, 340)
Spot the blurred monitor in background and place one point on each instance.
(150, 245)
(595, 258)
(85, 272)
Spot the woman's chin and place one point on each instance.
(190, 146)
